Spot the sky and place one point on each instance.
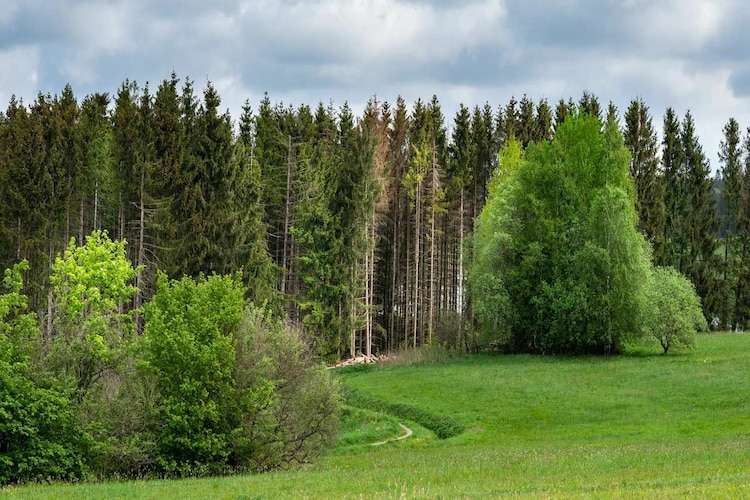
(687, 54)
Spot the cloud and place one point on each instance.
(18, 73)
(680, 53)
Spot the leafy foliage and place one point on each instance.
(188, 349)
(673, 309)
(290, 404)
(91, 283)
(559, 264)
(39, 437)
(238, 389)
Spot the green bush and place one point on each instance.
(291, 403)
(39, 435)
(188, 349)
(673, 312)
(238, 389)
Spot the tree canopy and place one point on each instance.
(559, 264)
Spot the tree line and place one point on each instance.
(358, 228)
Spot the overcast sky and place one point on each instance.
(688, 54)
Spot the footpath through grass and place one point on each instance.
(639, 425)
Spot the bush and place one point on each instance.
(673, 312)
(39, 435)
(238, 389)
(291, 403)
(188, 349)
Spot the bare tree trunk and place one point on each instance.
(96, 204)
(80, 223)
(50, 294)
(417, 229)
(353, 323)
(138, 299)
(433, 188)
(394, 271)
(369, 299)
(407, 291)
(121, 217)
(460, 290)
(287, 203)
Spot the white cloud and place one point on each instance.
(19, 73)
(103, 27)
(675, 27)
(375, 30)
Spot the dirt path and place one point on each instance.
(408, 432)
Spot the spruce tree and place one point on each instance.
(700, 221)
(527, 126)
(672, 179)
(730, 157)
(543, 130)
(562, 111)
(640, 139)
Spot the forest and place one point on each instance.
(360, 229)
(174, 276)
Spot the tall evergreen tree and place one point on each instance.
(672, 177)
(730, 157)
(543, 130)
(562, 111)
(700, 221)
(527, 126)
(640, 139)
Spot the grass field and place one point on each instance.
(639, 425)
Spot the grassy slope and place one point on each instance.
(637, 425)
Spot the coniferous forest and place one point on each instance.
(356, 227)
(154, 214)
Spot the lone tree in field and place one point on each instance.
(673, 310)
(559, 264)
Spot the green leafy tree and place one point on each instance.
(188, 349)
(673, 311)
(561, 246)
(90, 283)
(39, 436)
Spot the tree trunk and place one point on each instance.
(287, 210)
(417, 229)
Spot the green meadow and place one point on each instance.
(637, 425)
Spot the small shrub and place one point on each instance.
(673, 311)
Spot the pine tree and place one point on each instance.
(672, 178)
(562, 111)
(700, 221)
(742, 302)
(640, 139)
(168, 136)
(730, 157)
(543, 130)
(589, 104)
(527, 126)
